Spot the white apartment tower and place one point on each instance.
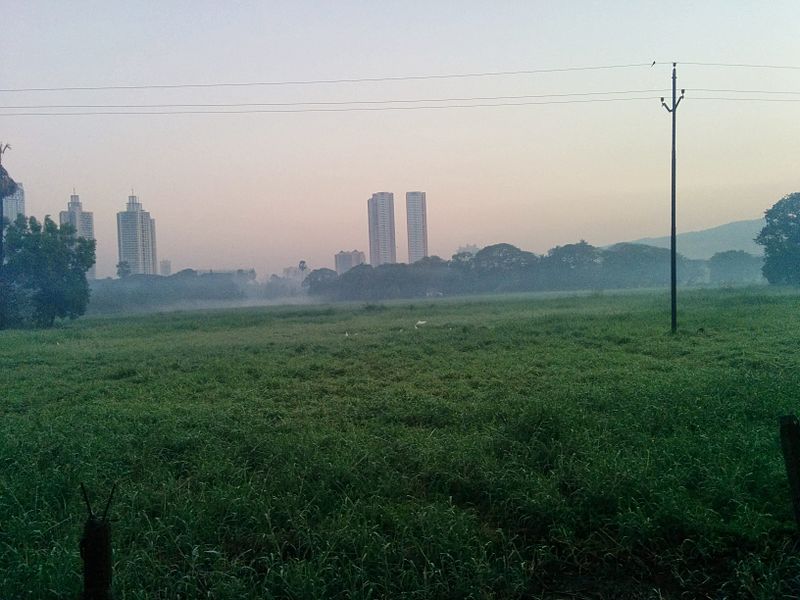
(14, 204)
(136, 237)
(345, 261)
(382, 247)
(83, 222)
(417, 220)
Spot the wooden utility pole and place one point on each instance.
(673, 242)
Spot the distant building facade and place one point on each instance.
(14, 205)
(382, 246)
(347, 260)
(417, 221)
(165, 267)
(82, 222)
(468, 249)
(136, 238)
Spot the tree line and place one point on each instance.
(506, 268)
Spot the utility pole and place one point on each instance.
(673, 242)
(3, 149)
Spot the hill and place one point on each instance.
(705, 243)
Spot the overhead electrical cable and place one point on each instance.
(337, 102)
(738, 65)
(746, 99)
(325, 110)
(321, 81)
(388, 78)
(778, 92)
(388, 101)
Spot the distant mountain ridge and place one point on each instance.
(703, 244)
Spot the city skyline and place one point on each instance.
(570, 161)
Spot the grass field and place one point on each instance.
(517, 447)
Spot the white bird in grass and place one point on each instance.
(419, 323)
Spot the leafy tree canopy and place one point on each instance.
(502, 257)
(735, 266)
(44, 277)
(320, 281)
(781, 240)
(123, 269)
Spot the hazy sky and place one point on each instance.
(266, 190)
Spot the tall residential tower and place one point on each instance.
(347, 260)
(136, 237)
(417, 220)
(380, 210)
(14, 204)
(83, 222)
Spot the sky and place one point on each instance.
(267, 190)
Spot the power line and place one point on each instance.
(779, 92)
(366, 108)
(322, 110)
(746, 99)
(324, 81)
(740, 65)
(335, 103)
(385, 78)
(405, 100)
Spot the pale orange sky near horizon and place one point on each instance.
(267, 190)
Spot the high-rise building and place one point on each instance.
(165, 267)
(136, 238)
(14, 204)
(380, 210)
(83, 222)
(347, 260)
(417, 220)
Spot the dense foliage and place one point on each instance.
(507, 448)
(735, 266)
(781, 240)
(44, 277)
(506, 268)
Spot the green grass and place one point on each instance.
(510, 447)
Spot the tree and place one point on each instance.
(123, 269)
(502, 268)
(735, 266)
(573, 266)
(7, 187)
(320, 281)
(781, 240)
(634, 265)
(46, 272)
